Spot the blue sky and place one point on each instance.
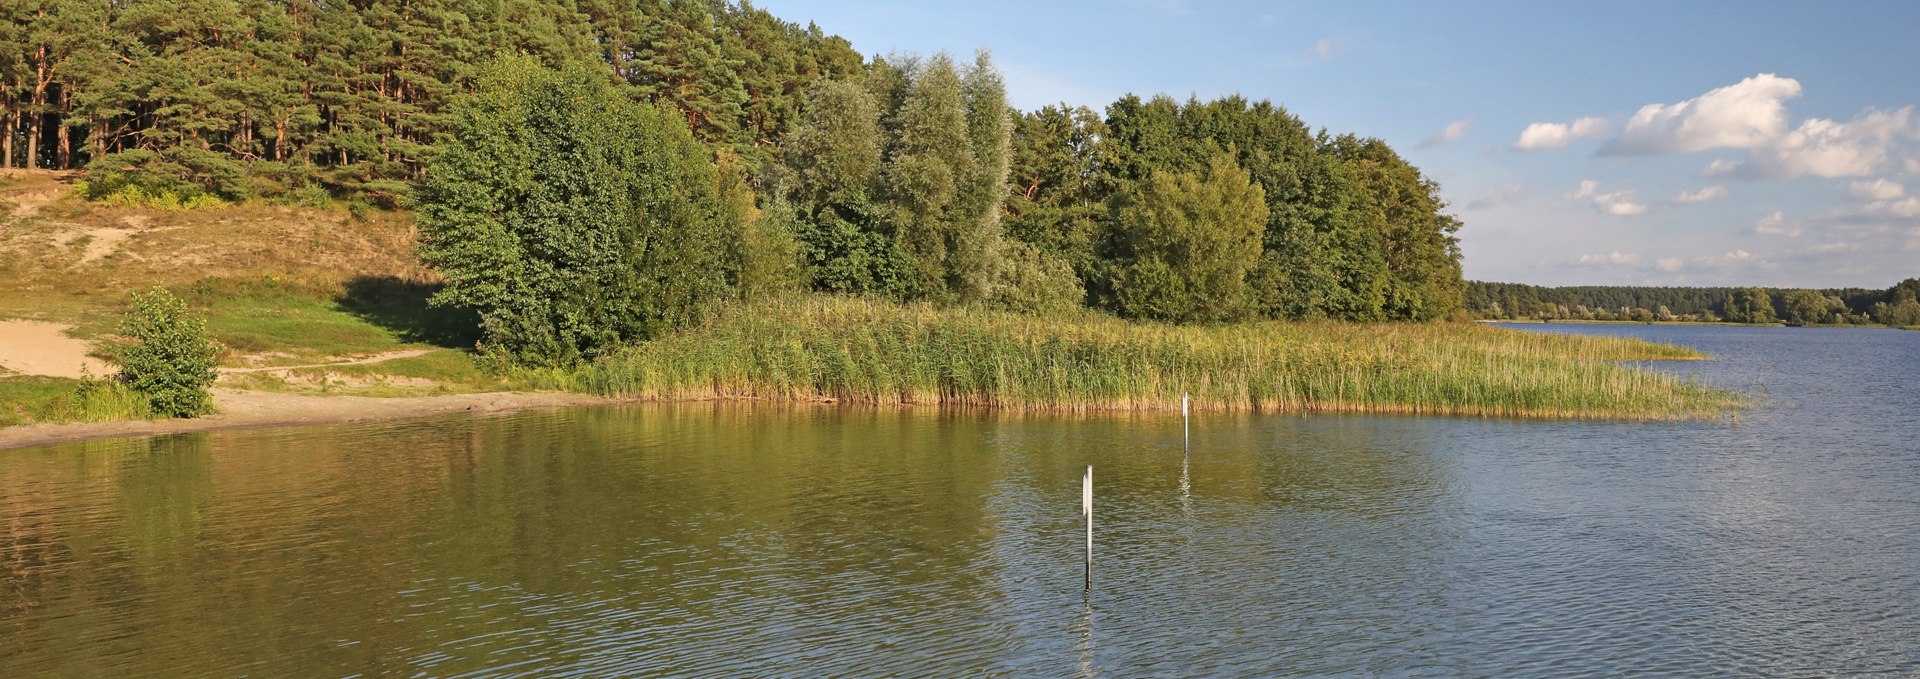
(1670, 142)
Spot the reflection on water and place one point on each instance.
(709, 540)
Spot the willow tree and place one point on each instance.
(945, 178)
(571, 217)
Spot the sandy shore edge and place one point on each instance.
(240, 409)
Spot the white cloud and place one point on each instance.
(1701, 196)
(1449, 134)
(1616, 203)
(1497, 196)
(1775, 225)
(1824, 148)
(1323, 48)
(1615, 259)
(1747, 114)
(1738, 255)
(1619, 204)
(1669, 264)
(1549, 136)
(1878, 189)
(1906, 208)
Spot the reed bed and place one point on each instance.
(863, 351)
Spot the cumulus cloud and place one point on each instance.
(1906, 208)
(1497, 196)
(1669, 264)
(1775, 225)
(1746, 114)
(1616, 203)
(1549, 136)
(1701, 196)
(1824, 148)
(1616, 259)
(1878, 189)
(1449, 134)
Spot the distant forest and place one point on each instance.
(903, 177)
(1895, 306)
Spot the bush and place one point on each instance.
(571, 217)
(178, 178)
(172, 361)
(1036, 282)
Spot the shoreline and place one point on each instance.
(246, 409)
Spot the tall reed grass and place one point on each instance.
(855, 350)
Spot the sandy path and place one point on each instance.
(376, 358)
(39, 348)
(258, 408)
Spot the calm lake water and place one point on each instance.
(727, 540)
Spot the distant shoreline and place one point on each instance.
(1701, 323)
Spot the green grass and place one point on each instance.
(839, 349)
(30, 400)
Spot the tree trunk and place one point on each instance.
(66, 134)
(33, 139)
(6, 144)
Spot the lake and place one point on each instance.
(729, 540)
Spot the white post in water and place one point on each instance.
(1086, 507)
(1186, 426)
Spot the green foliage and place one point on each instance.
(1749, 305)
(1421, 254)
(172, 361)
(848, 248)
(354, 96)
(1184, 246)
(834, 152)
(945, 177)
(570, 217)
(1902, 314)
(1807, 307)
(763, 255)
(898, 186)
(171, 179)
(1037, 282)
(1055, 206)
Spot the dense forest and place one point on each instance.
(902, 177)
(1895, 306)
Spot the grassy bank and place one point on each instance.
(815, 348)
(26, 399)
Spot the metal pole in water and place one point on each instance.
(1186, 425)
(1086, 507)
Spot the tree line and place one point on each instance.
(591, 171)
(1897, 306)
(241, 98)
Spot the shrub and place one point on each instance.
(571, 217)
(177, 178)
(1036, 282)
(172, 360)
